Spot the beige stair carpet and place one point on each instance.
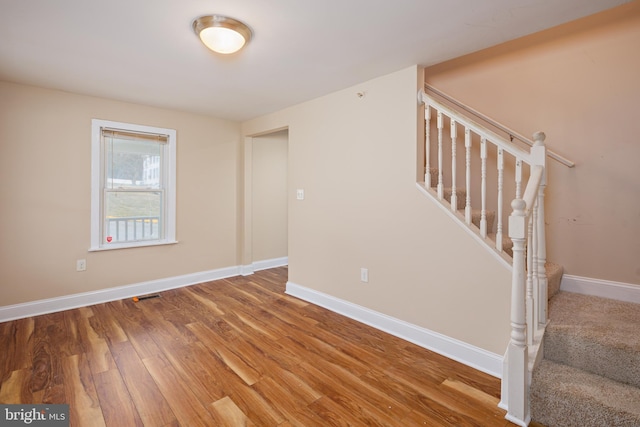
(590, 375)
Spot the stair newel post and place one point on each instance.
(454, 145)
(539, 153)
(427, 145)
(518, 387)
(500, 196)
(467, 147)
(483, 187)
(440, 187)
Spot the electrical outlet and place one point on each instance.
(364, 275)
(81, 265)
(300, 194)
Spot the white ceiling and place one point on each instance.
(145, 51)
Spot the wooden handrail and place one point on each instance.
(531, 190)
(510, 132)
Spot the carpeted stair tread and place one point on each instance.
(476, 216)
(461, 197)
(595, 334)
(564, 396)
(507, 243)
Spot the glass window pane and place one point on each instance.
(132, 216)
(132, 164)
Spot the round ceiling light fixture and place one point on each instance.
(222, 34)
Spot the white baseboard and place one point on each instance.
(51, 305)
(462, 352)
(247, 270)
(601, 288)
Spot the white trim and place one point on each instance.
(601, 288)
(459, 351)
(169, 174)
(136, 245)
(247, 270)
(270, 263)
(516, 421)
(52, 305)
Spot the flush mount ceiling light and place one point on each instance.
(222, 34)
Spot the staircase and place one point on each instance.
(590, 372)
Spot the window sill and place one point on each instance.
(132, 245)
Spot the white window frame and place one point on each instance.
(97, 193)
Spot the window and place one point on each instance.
(132, 185)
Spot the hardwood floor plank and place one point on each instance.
(225, 351)
(84, 407)
(117, 406)
(184, 404)
(196, 363)
(106, 325)
(437, 394)
(422, 407)
(436, 419)
(151, 404)
(211, 308)
(292, 396)
(133, 321)
(16, 346)
(472, 392)
(166, 324)
(226, 413)
(287, 402)
(96, 348)
(48, 348)
(333, 414)
(275, 353)
(362, 411)
(295, 386)
(15, 342)
(288, 311)
(15, 388)
(258, 409)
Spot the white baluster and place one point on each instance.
(535, 267)
(518, 178)
(440, 184)
(427, 145)
(483, 183)
(543, 282)
(530, 299)
(518, 386)
(467, 146)
(454, 143)
(540, 158)
(500, 186)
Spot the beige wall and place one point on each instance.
(269, 196)
(356, 160)
(580, 84)
(45, 148)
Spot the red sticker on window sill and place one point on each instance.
(109, 239)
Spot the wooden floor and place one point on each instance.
(234, 352)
